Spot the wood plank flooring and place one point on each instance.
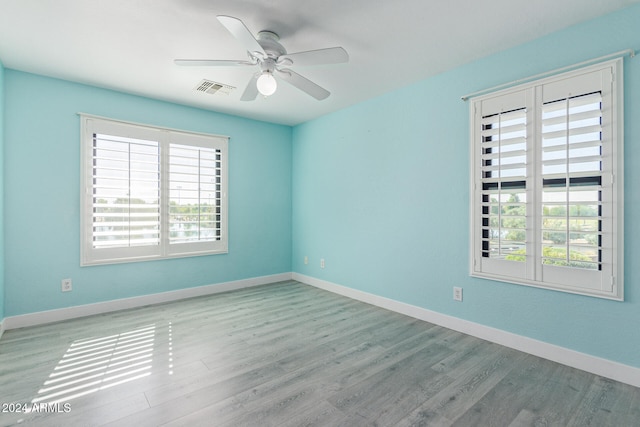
(287, 354)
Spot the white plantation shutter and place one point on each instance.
(146, 197)
(126, 192)
(195, 196)
(547, 174)
(578, 165)
(502, 184)
(572, 182)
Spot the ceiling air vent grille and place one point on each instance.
(214, 88)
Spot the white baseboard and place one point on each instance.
(43, 317)
(1, 328)
(595, 365)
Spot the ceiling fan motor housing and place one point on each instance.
(270, 44)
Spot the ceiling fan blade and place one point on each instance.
(237, 29)
(211, 62)
(303, 84)
(251, 91)
(331, 55)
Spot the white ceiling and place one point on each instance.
(129, 45)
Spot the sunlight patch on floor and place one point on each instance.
(94, 364)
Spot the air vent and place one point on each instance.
(214, 88)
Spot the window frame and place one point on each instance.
(609, 279)
(165, 137)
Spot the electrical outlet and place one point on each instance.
(66, 285)
(321, 262)
(457, 294)
(306, 260)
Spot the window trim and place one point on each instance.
(533, 242)
(165, 137)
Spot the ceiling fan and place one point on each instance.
(273, 59)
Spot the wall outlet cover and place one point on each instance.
(66, 285)
(457, 293)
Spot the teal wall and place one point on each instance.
(42, 197)
(1, 191)
(381, 192)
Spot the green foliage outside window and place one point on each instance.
(558, 256)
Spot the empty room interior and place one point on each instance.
(337, 213)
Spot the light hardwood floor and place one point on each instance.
(288, 354)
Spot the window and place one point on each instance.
(151, 193)
(547, 183)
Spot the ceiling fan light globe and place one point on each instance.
(267, 84)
